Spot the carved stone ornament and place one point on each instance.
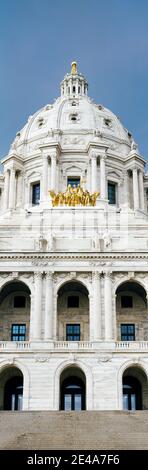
(73, 357)
(40, 263)
(42, 359)
(27, 275)
(14, 275)
(104, 359)
(4, 276)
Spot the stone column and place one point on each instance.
(53, 170)
(91, 318)
(135, 189)
(70, 86)
(102, 177)
(19, 189)
(141, 190)
(97, 306)
(93, 172)
(125, 195)
(65, 88)
(6, 190)
(108, 306)
(44, 192)
(36, 333)
(48, 330)
(12, 191)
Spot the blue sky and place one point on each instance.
(40, 38)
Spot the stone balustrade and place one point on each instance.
(11, 346)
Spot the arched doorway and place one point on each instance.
(73, 312)
(11, 389)
(73, 390)
(131, 312)
(132, 394)
(13, 394)
(134, 389)
(14, 311)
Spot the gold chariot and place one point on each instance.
(74, 196)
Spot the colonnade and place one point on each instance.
(12, 197)
(12, 188)
(97, 298)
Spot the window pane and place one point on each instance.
(18, 333)
(21, 338)
(125, 402)
(36, 193)
(112, 193)
(128, 332)
(126, 301)
(73, 301)
(22, 329)
(15, 328)
(73, 332)
(20, 402)
(130, 328)
(77, 402)
(133, 402)
(67, 402)
(73, 181)
(76, 329)
(19, 301)
(69, 329)
(15, 338)
(13, 402)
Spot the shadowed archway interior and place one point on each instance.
(72, 390)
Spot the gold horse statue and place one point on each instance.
(74, 196)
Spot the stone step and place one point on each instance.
(74, 430)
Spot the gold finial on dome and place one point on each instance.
(74, 68)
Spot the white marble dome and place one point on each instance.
(73, 119)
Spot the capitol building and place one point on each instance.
(73, 260)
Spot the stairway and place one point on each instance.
(72, 430)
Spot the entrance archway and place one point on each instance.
(134, 389)
(72, 390)
(14, 311)
(73, 312)
(132, 394)
(13, 394)
(131, 312)
(11, 389)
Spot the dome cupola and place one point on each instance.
(74, 83)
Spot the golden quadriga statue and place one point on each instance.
(74, 196)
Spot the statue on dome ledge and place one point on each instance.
(74, 196)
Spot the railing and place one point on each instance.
(13, 345)
(73, 345)
(22, 346)
(131, 345)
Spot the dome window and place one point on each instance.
(107, 122)
(73, 103)
(74, 117)
(40, 122)
(129, 134)
(79, 89)
(73, 89)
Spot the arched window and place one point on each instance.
(132, 394)
(13, 394)
(73, 394)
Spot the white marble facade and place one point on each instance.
(95, 256)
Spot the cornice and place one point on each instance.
(75, 256)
